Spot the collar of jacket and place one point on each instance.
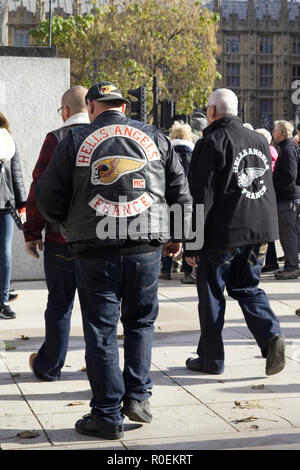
(183, 143)
(107, 114)
(78, 118)
(285, 142)
(223, 122)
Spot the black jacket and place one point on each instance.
(98, 163)
(285, 173)
(11, 184)
(231, 174)
(185, 155)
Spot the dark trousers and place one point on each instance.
(271, 256)
(167, 262)
(59, 265)
(289, 232)
(239, 271)
(108, 287)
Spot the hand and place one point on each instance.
(172, 249)
(31, 247)
(22, 214)
(192, 261)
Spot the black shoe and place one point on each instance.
(137, 410)
(270, 268)
(91, 425)
(189, 279)
(12, 296)
(195, 365)
(275, 357)
(281, 258)
(287, 275)
(166, 276)
(6, 312)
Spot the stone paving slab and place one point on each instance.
(281, 439)
(191, 411)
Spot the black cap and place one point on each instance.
(199, 121)
(104, 91)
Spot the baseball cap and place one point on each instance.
(199, 121)
(105, 91)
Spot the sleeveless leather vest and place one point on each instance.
(60, 134)
(118, 183)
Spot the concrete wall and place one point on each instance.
(30, 93)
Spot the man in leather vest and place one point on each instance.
(104, 186)
(58, 261)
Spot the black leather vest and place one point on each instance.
(118, 183)
(59, 134)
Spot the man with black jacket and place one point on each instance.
(103, 185)
(288, 198)
(231, 175)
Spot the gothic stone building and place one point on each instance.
(19, 16)
(260, 57)
(260, 49)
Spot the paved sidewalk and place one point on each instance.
(240, 409)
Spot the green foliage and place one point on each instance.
(129, 45)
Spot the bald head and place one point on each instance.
(74, 99)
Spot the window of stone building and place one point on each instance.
(295, 72)
(233, 45)
(266, 45)
(233, 75)
(296, 46)
(266, 75)
(266, 113)
(21, 38)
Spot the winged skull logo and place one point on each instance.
(109, 169)
(248, 175)
(107, 89)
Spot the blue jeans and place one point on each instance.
(59, 265)
(239, 271)
(106, 287)
(6, 235)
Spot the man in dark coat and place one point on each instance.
(288, 198)
(231, 175)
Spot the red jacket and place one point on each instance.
(35, 223)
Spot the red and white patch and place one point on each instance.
(99, 136)
(121, 209)
(138, 183)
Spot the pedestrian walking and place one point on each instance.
(231, 175)
(288, 198)
(12, 197)
(101, 185)
(59, 264)
(182, 139)
(271, 263)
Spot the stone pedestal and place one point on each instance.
(30, 94)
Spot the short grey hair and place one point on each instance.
(285, 127)
(225, 101)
